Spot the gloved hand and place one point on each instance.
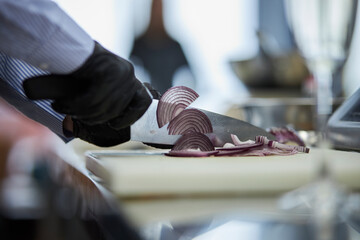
(102, 134)
(102, 96)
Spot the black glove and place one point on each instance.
(103, 95)
(102, 134)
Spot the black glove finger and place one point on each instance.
(134, 111)
(101, 135)
(107, 98)
(90, 113)
(51, 86)
(100, 110)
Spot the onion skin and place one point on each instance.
(173, 102)
(190, 120)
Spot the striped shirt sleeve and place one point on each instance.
(40, 33)
(12, 74)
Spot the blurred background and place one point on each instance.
(230, 46)
(237, 54)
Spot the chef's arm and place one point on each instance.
(40, 33)
(96, 88)
(38, 37)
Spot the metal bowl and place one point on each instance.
(297, 112)
(287, 70)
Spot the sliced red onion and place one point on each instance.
(190, 120)
(216, 141)
(192, 144)
(228, 145)
(267, 151)
(238, 142)
(262, 150)
(282, 146)
(239, 145)
(190, 153)
(193, 140)
(244, 146)
(230, 152)
(286, 134)
(286, 147)
(172, 102)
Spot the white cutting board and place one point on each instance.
(150, 173)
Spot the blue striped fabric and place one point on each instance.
(12, 74)
(40, 38)
(43, 35)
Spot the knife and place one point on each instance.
(146, 129)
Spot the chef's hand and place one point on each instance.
(103, 95)
(101, 135)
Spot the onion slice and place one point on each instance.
(230, 152)
(192, 144)
(285, 147)
(190, 120)
(286, 134)
(267, 151)
(190, 153)
(238, 142)
(172, 102)
(193, 140)
(244, 146)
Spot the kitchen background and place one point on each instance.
(211, 33)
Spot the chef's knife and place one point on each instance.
(146, 129)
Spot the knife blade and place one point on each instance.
(146, 129)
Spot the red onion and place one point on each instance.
(193, 144)
(239, 145)
(193, 140)
(266, 151)
(237, 141)
(275, 144)
(190, 120)
(172, 102)
(229, 152)
(261, 147)
(190, 153)
(286, 134)
(245, 146)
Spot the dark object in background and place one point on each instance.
(157, 52)
(266, 71)
(161, 60)
(277, 64)
(344, 125)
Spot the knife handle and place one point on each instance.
(155, 93)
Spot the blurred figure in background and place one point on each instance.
(161, 56)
